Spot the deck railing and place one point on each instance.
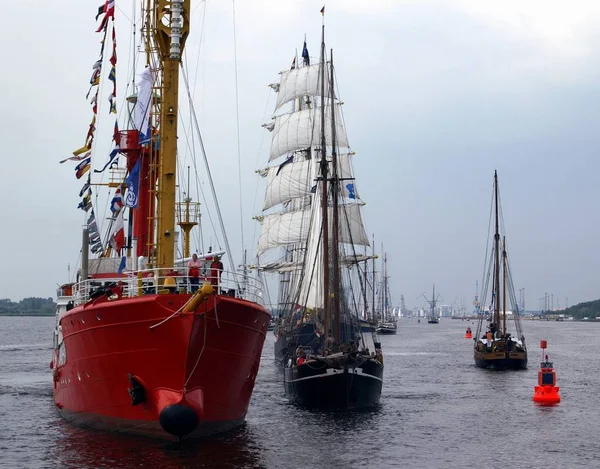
(153, 281)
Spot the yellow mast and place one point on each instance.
(171, 28)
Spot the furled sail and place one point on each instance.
(300, 82)
(283, 229)
(293, 180)
(294, 266)
(302, 129)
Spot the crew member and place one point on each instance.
(194, 272)
(216, 268)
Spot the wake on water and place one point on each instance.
(19, 347)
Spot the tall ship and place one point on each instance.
(433, 317)
(148, 341)
(499, 344)
(313, 238)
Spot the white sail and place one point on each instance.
(310, 282)
(283, 229)
(302, 129)
(295, 179)
(352, 230)
(288, 181)
(299, 82)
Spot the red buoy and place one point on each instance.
(546, 393)
(468, 334)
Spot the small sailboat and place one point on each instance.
(331, 352)
(501, 343)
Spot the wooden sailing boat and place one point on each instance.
(495, 344)
(329, 361)
(143, 344)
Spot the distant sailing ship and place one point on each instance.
(433, 317)
(496, 345)
(142, 344)
(332, 359)
(387, 323)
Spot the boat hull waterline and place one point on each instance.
(386, 330)
(193, 375)
(314, 384)
(501, 360)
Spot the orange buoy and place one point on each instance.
(546, 392)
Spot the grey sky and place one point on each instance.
(437, 95)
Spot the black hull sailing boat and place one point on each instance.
(335, 382)
(331, 361)
(495, 346)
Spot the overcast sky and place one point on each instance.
(437, 95)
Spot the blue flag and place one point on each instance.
(305, 55)
(122, 265)
(351, 193)
(288, 160)
(133, 186)
(111, 157)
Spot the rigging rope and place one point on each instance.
(209, 174)
(237, 121)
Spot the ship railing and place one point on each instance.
(154, 281)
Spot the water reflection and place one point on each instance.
(83, 448)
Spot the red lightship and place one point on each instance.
(143, 345)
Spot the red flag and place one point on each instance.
(117, 233)
(116, 134)
(109, 9)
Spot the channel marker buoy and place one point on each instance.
(546, 392)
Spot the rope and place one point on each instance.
(237, 122)
(171, 316)
(210, 178)
(216, 312)
(199, 355)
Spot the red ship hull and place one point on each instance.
(192, 374)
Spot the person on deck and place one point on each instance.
(216, 268)
(194, 272)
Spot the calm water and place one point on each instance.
(437, 410)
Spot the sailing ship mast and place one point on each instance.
(385, 288)
(504, 275)
(373, 280)
(336, 218)
(324, 208)
(171, 26)
(496, 291)
(433, 298)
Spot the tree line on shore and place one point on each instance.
(588, 309)
(32, 306)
